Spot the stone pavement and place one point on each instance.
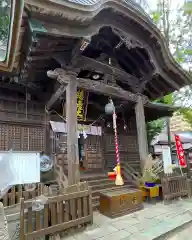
(182, 234)
(148, 224)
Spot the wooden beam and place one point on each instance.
(89, 63)
(141, 132)
(72, 139)
(169, 80)
(100, 88)
(55, 96)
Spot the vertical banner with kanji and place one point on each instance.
(82, 102)
(180, 151)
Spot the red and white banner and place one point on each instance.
(180, 151)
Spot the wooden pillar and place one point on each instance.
(141, 132)
(72, 138)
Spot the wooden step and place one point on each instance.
(94, 176)
(98, 181)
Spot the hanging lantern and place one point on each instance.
(109, 108)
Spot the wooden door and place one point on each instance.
(93, 153)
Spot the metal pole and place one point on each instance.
(168, 131)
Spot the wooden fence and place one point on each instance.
(14, 195)
(62, 212)
(174, 186)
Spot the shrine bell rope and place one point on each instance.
(119, 179)
(116, 138)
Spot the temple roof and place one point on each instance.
(114, 39)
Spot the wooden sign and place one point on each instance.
(80, 105)
(180, 151)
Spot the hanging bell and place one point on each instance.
(109, 108)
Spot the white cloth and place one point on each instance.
(18, 168)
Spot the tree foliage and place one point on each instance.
(4, 21)
(186, 114)
(175, 23)
(154, 128)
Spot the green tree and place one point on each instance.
(4, 21)
(154, 128)
(175, 24)
(187, 115)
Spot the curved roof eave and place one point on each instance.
(87, 10)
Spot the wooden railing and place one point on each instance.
(174, 186)
(14, 195)
(60, 213)
(130, 174)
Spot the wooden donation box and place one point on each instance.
(119, 202)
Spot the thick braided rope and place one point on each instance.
(116, 139)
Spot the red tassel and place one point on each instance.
(112, 175)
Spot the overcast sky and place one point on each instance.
(153, 3)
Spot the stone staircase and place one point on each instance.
(100, 182)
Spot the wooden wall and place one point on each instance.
(100, 150)
(128, 146)
(94, 154)
(93, 150)
(23, 127)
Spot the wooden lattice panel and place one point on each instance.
(3, 137)
(126, 143)
(22, 138)
(128, 149)
(14, 137)
(94, 152)
(36, 138)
